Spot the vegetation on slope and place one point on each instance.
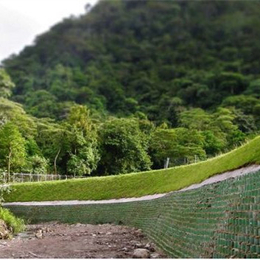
(154, 57)
(84, 143)
(136, 184)
(133, 83)
(9, 224)
(14, 224)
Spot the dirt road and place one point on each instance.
(53, 240)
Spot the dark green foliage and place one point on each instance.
(181, 145)
(128, 56)
(123, 147)
(189, 68)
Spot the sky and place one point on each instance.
(22, 20)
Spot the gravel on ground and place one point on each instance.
(55, 240)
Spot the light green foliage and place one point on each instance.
(195, 118)
(218, 128)
(4, 189)
(123, 147)
(224, 120)
(38, 164)
(84, 155)
(70, 146)
(80, 118)
(6, 84)
(12, 148)
(14, 112)
(213, 144)
(181, 145)
(54, 141)
(13, 223)
(80, 164)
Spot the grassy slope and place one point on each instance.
(136, 184)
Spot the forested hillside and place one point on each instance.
(135, 82)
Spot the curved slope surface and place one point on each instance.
(219, 220)
(220, 177)
(137, 184)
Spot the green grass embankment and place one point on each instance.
(136, 184)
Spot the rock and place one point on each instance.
(139, 245)
(78, 225)
(39, 234)
(108, 233)
(4, 232)
(141, 253)
(149, 247)
(155, 255)
(138, 233)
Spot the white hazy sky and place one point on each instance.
(22, 20)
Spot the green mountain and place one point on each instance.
(154, 57)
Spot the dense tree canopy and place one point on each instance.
(129, 56)
(123, 147)
(131, 83)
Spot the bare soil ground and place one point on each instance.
(54, 240)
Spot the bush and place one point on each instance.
(13, 223)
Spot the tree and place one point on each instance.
(12, 148)
(242, 102)
(84, 155)
(254, 88)
(123, 147)
(195, 118)
(179, 144)
(14, 112)
(53, 141)
(6, 84)
(223, 124)
(38, 164)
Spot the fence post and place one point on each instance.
(166, 165)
